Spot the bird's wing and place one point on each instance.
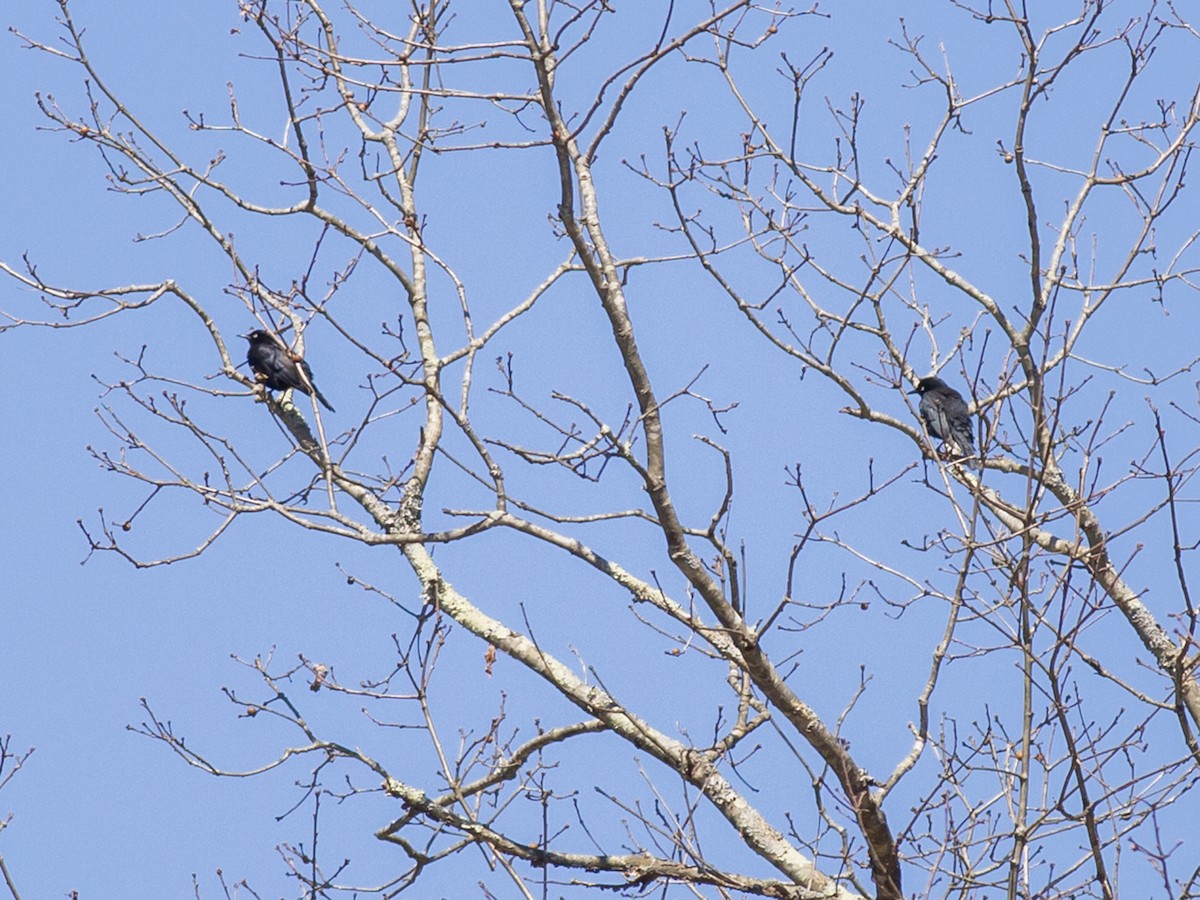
(934, 414)
(959, 418)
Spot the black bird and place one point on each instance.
(277, 369)
(945, 414)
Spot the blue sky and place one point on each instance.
(99, 807)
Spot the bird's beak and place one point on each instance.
(913, 391)
(246, 336)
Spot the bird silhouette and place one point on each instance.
(946, 416)
(278, 369)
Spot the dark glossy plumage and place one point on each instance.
(276, 368)
(945, 414)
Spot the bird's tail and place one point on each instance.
(325, 403)
(972, 457)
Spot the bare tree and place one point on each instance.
(10, 763)
(960, 641)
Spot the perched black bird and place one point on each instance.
(276, 368)
(945, 414)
